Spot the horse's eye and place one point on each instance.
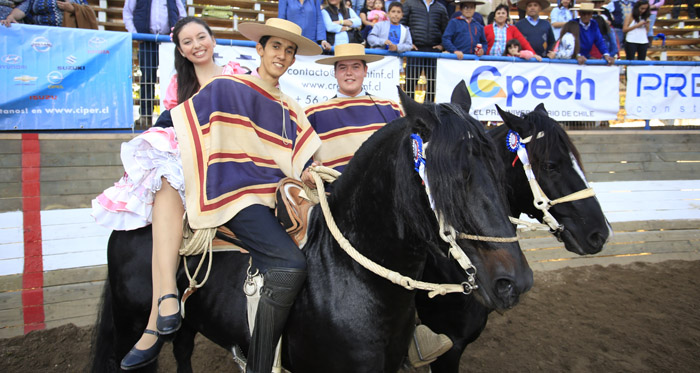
(550, 167)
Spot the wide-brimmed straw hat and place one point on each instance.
(586, 7)
(350, 51)
(477, 2)
(522, 4)
(280, 28)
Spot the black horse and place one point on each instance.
(347, 319)
(583, 226)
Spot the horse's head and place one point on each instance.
(557, 168)
(466, 190)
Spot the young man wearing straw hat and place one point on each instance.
(352, 107)
(538, 32)
(244, 121)
(589, 34)
(344, 123)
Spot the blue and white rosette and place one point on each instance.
(419, 149)
(515, 145)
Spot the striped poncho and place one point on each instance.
(234, 148)
(345, 123)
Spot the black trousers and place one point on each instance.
(269, 244)
(633, 48)
(675, 12)
(148, 63)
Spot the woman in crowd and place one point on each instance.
(500, 31)
(152, 190)
(514, 49)
(341, 23)
(636, 28)
(560, 15)
(306, 14)
(40, 12)
(567, 46)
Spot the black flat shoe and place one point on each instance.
(140, 358)
(168, 324)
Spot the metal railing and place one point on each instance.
(418, 77)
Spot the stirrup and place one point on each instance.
(426, 346)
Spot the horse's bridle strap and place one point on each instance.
(581, 194)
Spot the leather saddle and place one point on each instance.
(292, 209)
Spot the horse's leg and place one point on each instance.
(167, 223)
(183, 346)
(103, 357)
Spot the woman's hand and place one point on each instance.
(6, 22)
(65, 6)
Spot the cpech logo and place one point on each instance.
(484, 87)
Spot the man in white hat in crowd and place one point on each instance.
(239, 193)
(344, 122)
(538, 32)
(589, 34)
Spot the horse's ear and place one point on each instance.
(417, 113)
(540, 107)
(514, 122)
(461, 96)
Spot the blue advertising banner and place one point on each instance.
(56, 78)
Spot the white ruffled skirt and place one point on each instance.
(148, 157)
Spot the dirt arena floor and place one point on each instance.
(633, 318)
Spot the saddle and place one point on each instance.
(292, 209)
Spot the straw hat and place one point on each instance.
(477, 2)
(280, 28)
(586, 7)
(522, 4)
(350, 51)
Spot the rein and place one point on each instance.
(540, 199)
(319, 174)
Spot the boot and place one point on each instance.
(426, 346)
(276, 299)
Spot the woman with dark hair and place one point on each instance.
(608, 35)
(636, 28)
(152, 190)
(341, 23)
(194, 60)
(567, 46)
(500, 31)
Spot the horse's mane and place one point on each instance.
(556, 137)
(455, 144)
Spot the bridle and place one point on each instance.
(447, 232)
(540, 200)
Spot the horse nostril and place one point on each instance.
(504, 287)
(596, 240)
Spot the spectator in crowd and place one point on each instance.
(654, 6)
(366, 23)
(6, 7)
(307, 15)
(500, 31)
(40, 12)
(513, 49)
(463, 34)
(377, 14)
(560, 15)
(589, 34)
(427, 21)
(357, 5)
(608, 34)
(538, 32)
(676, 11)
(341, 23)
(150, 17)
(391, 35)
(636, 29)
(620, 9)
(567, 46)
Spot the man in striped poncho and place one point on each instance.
(353, 115)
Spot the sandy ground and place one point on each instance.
(633, 318)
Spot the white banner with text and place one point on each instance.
(569, 92)
(663, 92)
(306, 81)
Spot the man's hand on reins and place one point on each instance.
(306, 177)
